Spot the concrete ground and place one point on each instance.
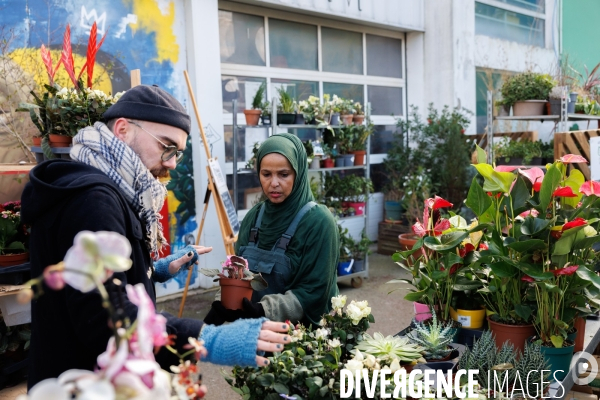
(392, 313)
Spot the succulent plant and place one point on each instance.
(532, 360)
(435, 338)
(386, 348)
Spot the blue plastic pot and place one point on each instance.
(345, 268)
(558, 359)
(393, 210)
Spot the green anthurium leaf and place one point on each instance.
(548, 287)
(549, 185)
(528, 245)
(438, 275)
(488, 216)
(532, 226)
(564, 244)
(573, 231)
(495, 181)
(445, 242)
(535, 271)
(415, 296)
(557, 341)
(586, 242)
(481, 155)
(403, 255)
(574, 181)
(477, 199)
(588, 276)
(520, 195)
(502, 269)
(496, 245)
(523, 311)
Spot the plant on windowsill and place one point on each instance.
(265, 115)
(253, 115)
(359, 114)
(527, 93)
(346, 111)
(236, 280)
(286, 109)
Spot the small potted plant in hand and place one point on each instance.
(253, 115)
(236, 281)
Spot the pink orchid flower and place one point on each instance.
(151, 327)
(94, 257)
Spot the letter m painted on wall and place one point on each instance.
(87, 19)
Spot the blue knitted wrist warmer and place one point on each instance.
(161, 267)
(232, 344)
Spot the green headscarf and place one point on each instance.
(278, 217)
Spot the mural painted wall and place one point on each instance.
(579, 33)
(148, 35)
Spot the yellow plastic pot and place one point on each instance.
(470, 319)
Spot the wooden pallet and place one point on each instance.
(387, 240)
(575, 142)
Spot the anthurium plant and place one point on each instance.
(436, 260)
(539, 252)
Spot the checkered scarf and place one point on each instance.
(99, 147)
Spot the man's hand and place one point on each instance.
(187, 259)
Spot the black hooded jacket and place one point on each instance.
(69, 329)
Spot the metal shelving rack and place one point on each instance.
(592, 328)
(355, 277)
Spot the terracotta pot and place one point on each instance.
(515, 334)
(37, 141)
(252, 117)
(529, 107)
(358, 119)
(359, 157)
(407, 240)
(8, 260)
(59, 140)
(328, 163)
(346, 119)
(233, 292)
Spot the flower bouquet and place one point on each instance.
(13, 235)
(62, 111)
(237, 281)
(127, 369)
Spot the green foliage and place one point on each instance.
(357, 188)
(182, 185)
(358, 135)
(361, 248)
(346, 244)
(13, 234)
(527, 86)
(525, 149)
(286, 104)
(435, 338)
(308, 367)
(12, 337)
(257, 100)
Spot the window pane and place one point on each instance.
(342, 51)
(299, 90)
(532, 5)
(385, 100)
(384, 56)
(293, 45)
(381, 139)
(508, 25)
(241, 88)
(241, 38)
(353, 92)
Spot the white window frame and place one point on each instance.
(545, 16)
(318, 75)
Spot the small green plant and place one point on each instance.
(358, 136)
(357, 188)
(346, 244)
(527, 86)
(251, 163)
(266, 108)
(287, 104)
(386, 348)
(361, 248)
(257, 100)
(524, 149)
(435, 338)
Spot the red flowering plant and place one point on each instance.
(436, 261)
(539, 252)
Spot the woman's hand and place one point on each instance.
(188, 258)
(270, 340)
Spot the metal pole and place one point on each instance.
(235, 155)
(490, 127)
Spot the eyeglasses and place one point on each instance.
(169, 152)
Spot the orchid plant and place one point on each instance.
(236, 267)
(127, 369)
(539, 253)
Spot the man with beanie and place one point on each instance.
(111, 185)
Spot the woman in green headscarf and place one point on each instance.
(288, 238)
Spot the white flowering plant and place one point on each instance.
(127, 369)
(308, 367)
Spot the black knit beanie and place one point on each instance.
(150, 103)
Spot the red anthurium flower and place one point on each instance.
(505, 168)
(466, 250)
(497, 195)
(441, 226)
(566, 191)
(419, 229)
(590, 188)
(566, 270)
(556, 234)
(534, 174)
(537, 186)
(437, 202)
(576, 222)
(572, 159)
(527, 278)
(534, 213)
(454, 268)
(483, 246)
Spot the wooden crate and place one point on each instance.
(387, 240)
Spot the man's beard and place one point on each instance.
(160, 172)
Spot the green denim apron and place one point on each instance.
(273, 264)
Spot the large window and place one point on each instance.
(519, 21)
(487, 79)
(360, 63)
